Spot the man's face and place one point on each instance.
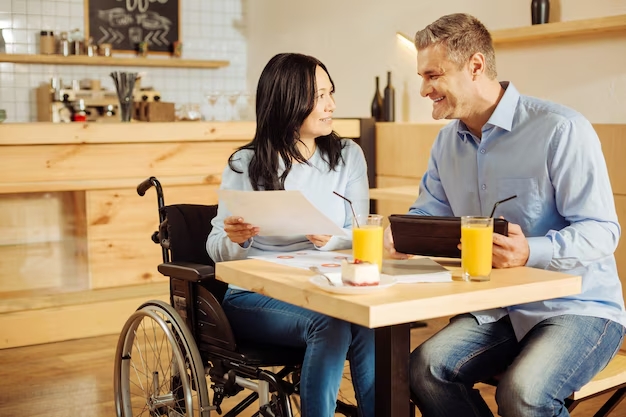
(447, 85)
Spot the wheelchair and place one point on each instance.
(165, 352)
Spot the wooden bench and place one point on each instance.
(613, 377)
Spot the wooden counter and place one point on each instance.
(75, 251)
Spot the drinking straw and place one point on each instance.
(500, 202)
(351, 208)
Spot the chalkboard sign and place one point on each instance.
(126, 23)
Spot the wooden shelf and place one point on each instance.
(110, 61)
(559, 30)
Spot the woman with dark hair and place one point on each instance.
(295, 148)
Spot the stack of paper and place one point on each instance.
(416, 270)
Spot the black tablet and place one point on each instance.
(432, 235)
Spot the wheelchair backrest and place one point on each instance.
(184, 233)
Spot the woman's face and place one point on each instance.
(320, 121)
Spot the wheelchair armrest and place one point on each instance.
(187, 271)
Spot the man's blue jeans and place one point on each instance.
(328, 341)
(557, 357)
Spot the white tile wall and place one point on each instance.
(210, 29)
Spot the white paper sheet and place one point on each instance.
(330, 263)
(327, 262)
(279, 213)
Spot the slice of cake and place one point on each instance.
(359, 273)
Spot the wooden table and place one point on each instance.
(391, 311)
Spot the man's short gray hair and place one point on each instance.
(463, 35)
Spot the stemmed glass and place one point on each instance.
(233, 97)
(213, 97)
(250, 106)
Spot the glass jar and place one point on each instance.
(64, 44)
(47, 42)
(105, 49)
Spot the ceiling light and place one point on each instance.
(405, 40)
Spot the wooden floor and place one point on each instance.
(75, 378)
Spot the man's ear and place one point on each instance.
(477, 64)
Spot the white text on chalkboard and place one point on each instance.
(140, 5)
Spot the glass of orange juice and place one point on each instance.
(367, 239)
(476, 247)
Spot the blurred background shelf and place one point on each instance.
(110, 61)
(597, 26)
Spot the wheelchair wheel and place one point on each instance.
(158, 369)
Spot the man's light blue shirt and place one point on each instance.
(550, 157)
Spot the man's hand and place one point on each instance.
(238, 231)
(390, 248)
(319, 240)
(512, 250)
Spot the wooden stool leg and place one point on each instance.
(570, 404)
(611, 403)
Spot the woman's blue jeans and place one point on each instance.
(328, 341)
(557, 357)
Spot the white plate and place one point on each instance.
(386, 281)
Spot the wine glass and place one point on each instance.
(250, 112)
(213, 97)
(233, 97)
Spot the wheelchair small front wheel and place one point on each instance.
(158, 368)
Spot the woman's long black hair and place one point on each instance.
(285, 97)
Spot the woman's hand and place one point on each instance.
(319, 240)
(238, 231)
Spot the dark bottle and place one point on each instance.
(389, 101)
(540, 11)
(377, 103)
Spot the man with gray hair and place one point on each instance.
(501, 143)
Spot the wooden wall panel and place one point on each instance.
(107, 316)
(620, 253)
(119, 227)
(613, 139)
(42, 242)
(49, 163)
(402, 150)
(30, 218)
(394, 207)
(33, 266)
